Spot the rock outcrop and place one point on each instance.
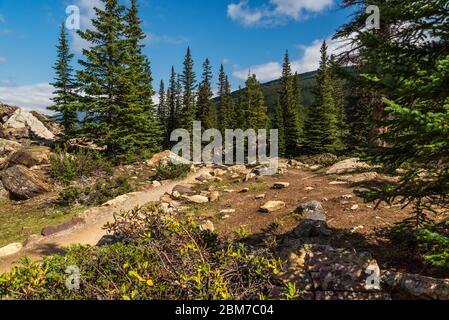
(165, 157)
(22, 119)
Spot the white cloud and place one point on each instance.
(2, 60)
(275, 12)
(309, 62)
(31, 97)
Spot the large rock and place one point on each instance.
(312, 210)
(7, 147)
(417, 286)
(24, 119)
(348, 166)
(313, 223)
(22, 183)
(30, 156)
(165, 157)
(360, 177)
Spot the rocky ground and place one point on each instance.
(334, 244)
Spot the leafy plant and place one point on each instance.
(155, 257)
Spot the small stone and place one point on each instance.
(272, 206)
(235, 176)
(227, 211)
(244, 190)
(355, 207)
(250, 176)
(355, 229)
(335, 183)
(214, 196)
(281, 185)
(229, 190)
(260, 196)
(315, 167)
(176, 195)
(309, 189)
(156, 184)
(27, 230)
(226, 216)
(207, 226)
(347, 196)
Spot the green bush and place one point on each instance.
(430, 242)
(66, 167)
(101, 192)
(155, 257)
(172, 171)
(71, 195)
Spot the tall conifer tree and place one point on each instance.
(188, 78)
(289, 108)
(206, 112)
(65, 98)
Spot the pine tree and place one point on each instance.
(65, 98)
(225, 105)
(188, 78)
(322, 133)
(277, 122)
(206, 112)
(289, 107)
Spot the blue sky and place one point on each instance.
(247, 34)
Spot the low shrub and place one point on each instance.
(430, 242)
(101, 192)
(66, 167)
(172, 171)
(155, 257)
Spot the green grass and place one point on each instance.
(260, 186)
(13, 217)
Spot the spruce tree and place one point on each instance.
(162, 105)
(188, 78)
(300, 109)
(289, 107)
(322, 133)
(172, 99)
(405, 65)
(254, 105)
(206, 112)
(65, 97)
(116, 78)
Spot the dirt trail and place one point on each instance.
(91, 232)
